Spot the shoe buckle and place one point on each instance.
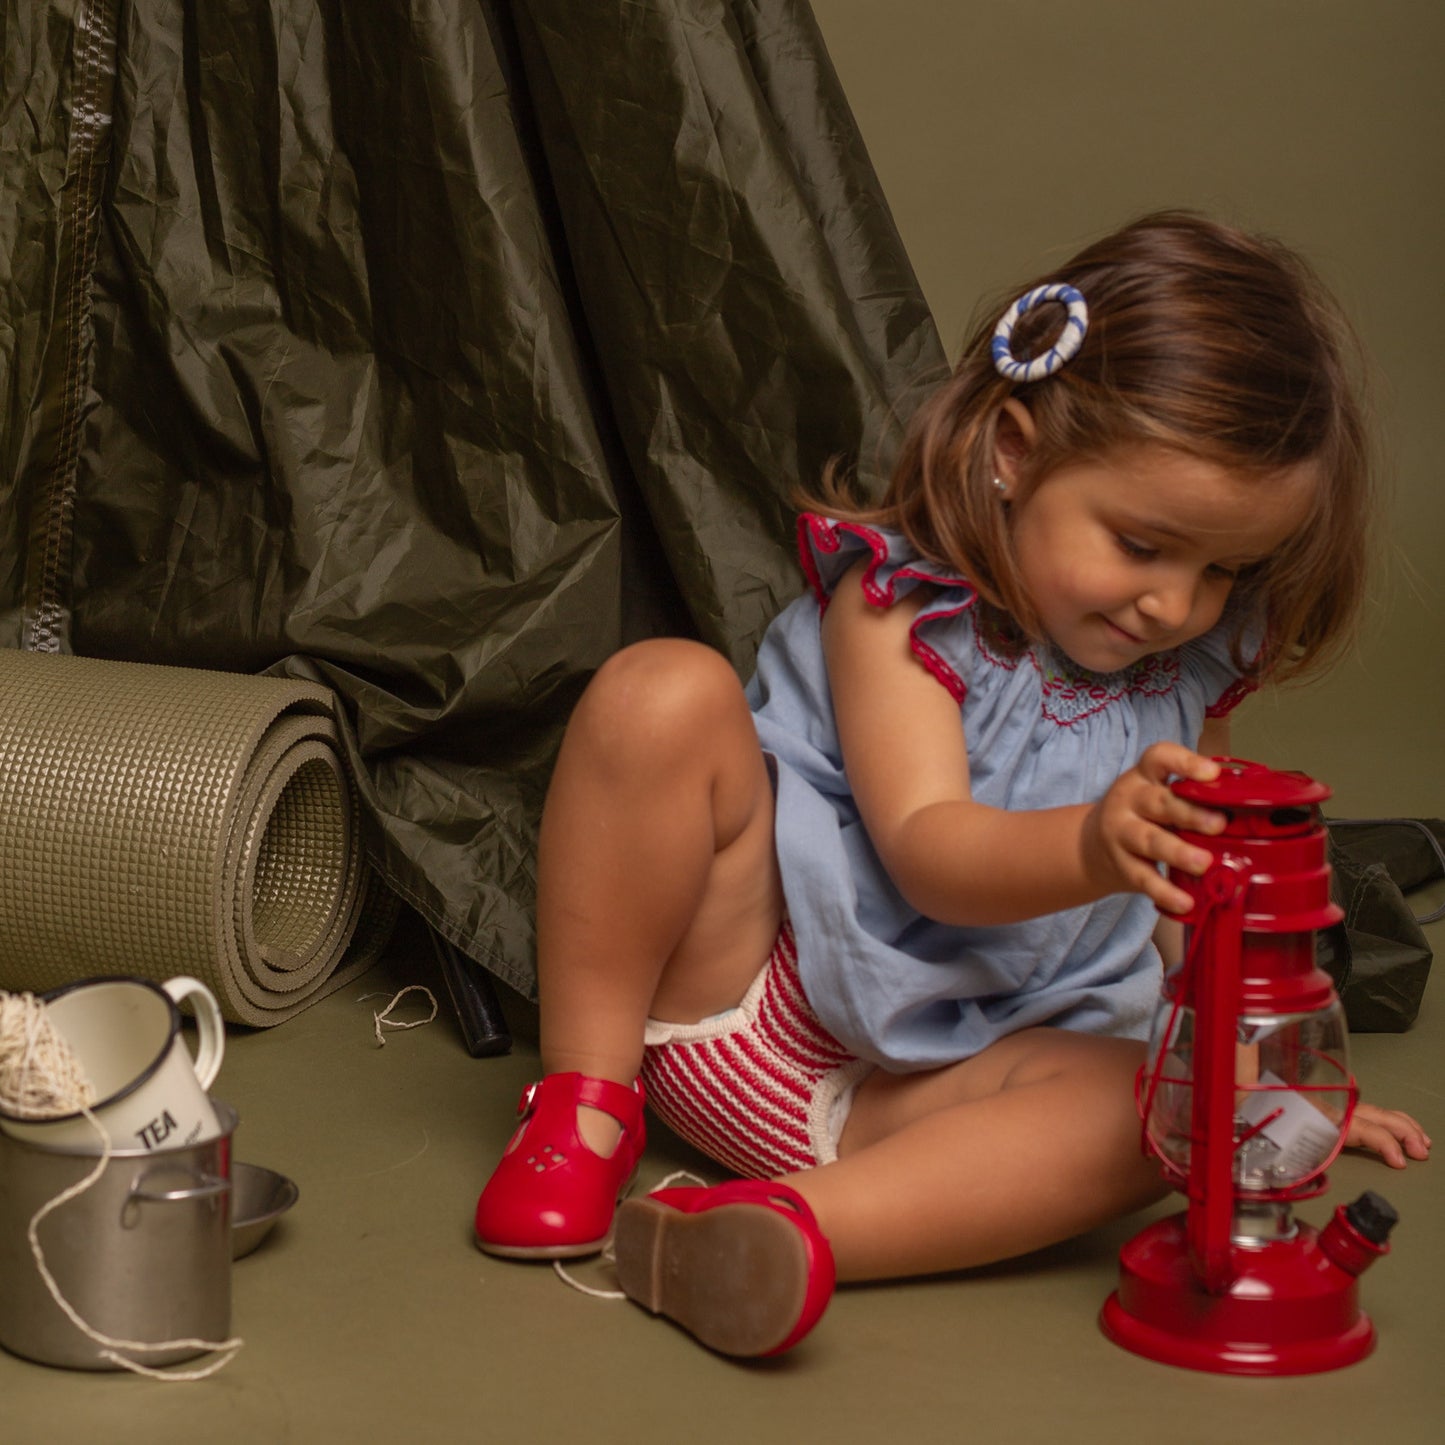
(524, 1104)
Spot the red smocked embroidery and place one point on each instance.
(1069, 699)
(1071, 695)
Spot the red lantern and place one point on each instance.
(1246, 1097)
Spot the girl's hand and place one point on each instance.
(1127, 833)
(1389, 1133)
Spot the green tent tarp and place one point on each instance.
(431, 350)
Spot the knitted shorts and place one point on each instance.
(763, 1088)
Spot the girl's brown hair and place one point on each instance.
(1201, 338)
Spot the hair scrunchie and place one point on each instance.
(1062, 351)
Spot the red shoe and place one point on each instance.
(552, 1197)
(742, 1266)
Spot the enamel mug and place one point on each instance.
(126, 1035)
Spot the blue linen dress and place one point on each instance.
(901, 989)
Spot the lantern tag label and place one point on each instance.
(1296, 1138)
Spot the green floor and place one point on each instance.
(368, 1315)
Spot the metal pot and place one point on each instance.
(143, 1254)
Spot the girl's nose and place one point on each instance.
(1169, 602)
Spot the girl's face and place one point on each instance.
(1136, 553)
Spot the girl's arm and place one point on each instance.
(962, 862)
(1214, 737)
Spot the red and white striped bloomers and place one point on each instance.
(763, 1088)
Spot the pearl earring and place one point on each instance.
(1001, 487)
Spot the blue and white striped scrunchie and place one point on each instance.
(1064, 349)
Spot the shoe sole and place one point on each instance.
(541, 1251)
(551, 1251)
(735, 1277)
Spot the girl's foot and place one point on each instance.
(742, 1266)
(552, 1196)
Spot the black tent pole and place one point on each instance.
(478, 1009)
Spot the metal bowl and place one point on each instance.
(259, 1197)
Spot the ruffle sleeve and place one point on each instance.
(828, 548)
(1211, 661)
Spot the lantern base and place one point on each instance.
(1289, 1309)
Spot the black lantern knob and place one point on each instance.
(1372, 1216)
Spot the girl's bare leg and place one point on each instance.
(1031, 1142)
(658, 887)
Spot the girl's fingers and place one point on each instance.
(1187, 858)
(1166, 896)
(1161, 805)
(1378, 1140)
(1161, 761)
(1171, 900)
(1193, 818)
(1159, 845)
(1392, 1135)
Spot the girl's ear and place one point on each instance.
(1014, 436)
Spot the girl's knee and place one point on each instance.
(656, 696)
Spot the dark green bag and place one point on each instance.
(1378, 954)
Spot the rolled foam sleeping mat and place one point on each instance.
(158, 821)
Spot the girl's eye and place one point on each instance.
(1218, 570)
(1130, 548)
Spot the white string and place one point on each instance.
(384, 1019)
(609, 1250)
(609, 1256)
(40, 1078)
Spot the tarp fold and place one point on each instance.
(430, 352)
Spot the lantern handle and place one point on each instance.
(1222, 882)
(1216, 1006)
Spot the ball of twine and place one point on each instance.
(40, 1077)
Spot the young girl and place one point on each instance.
(936, 819)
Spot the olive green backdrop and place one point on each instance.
(1005, 134)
